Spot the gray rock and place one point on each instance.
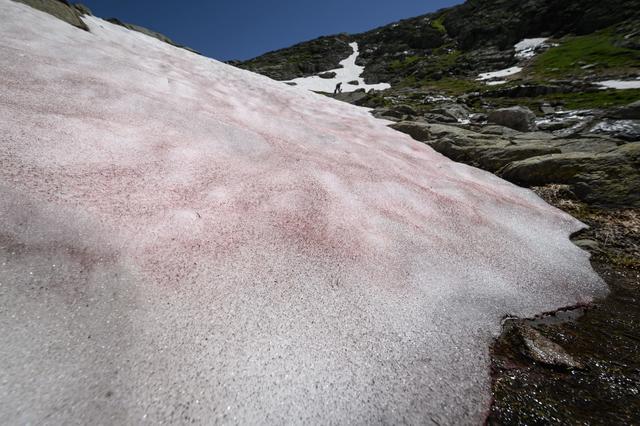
(59, 9)
(604, 178)
(627, 130)
(404, 109)
(488, 157)
(588, 245)
(517, 118)
(418, 131)
(82, 9)
(354, 97)
(457, 112)
(498, 130)
(354, 82)
(542, 350)
(629, 112)
(547, 109)
(439, 118)
(327, 75)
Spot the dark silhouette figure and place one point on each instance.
(338, 88)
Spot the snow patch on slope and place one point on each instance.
(499, 74)
(201, 243)
(350, 71)
(526, 49)
(620, 84)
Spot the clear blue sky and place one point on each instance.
(242, 29)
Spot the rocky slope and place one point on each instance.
(442, 69)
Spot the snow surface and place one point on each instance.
(526, 48)
(181, 240)
(620, 84)
(499, 74)
(496, 82)
(349, 72)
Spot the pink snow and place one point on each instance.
(183, 240)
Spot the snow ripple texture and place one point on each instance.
(183, 241)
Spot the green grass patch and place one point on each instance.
(574, 52)
(453, 86)
(398, 64)
(438, 24)
(583, 100)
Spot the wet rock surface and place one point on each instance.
(601, 340)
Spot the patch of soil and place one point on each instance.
(604, 340)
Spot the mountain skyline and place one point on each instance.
(249, 29)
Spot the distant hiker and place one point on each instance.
(338, 88)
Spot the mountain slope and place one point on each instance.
(183, 241)
(461, 41)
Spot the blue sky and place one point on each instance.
(242, 29)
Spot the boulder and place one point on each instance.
(418, 131)
(627, 130)
(328, 75)
(629, 112)
(541, 349)
(355, 97)
(354, 82)
(603, 178)
(498, 130)
(517, 118)
(457, 112)
(488, 157)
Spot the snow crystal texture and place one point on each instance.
(349, 72)
(183, 241)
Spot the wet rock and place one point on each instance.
(418, 131)
(591, 246)
(627, 130)
(552, 125)
(517, 118)
(542, 350)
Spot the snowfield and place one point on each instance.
(348, 73)
(183, 241)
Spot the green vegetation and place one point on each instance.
(438, 24)
(581, 55)
(398, 64)
(453, 86)
(582, 100)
